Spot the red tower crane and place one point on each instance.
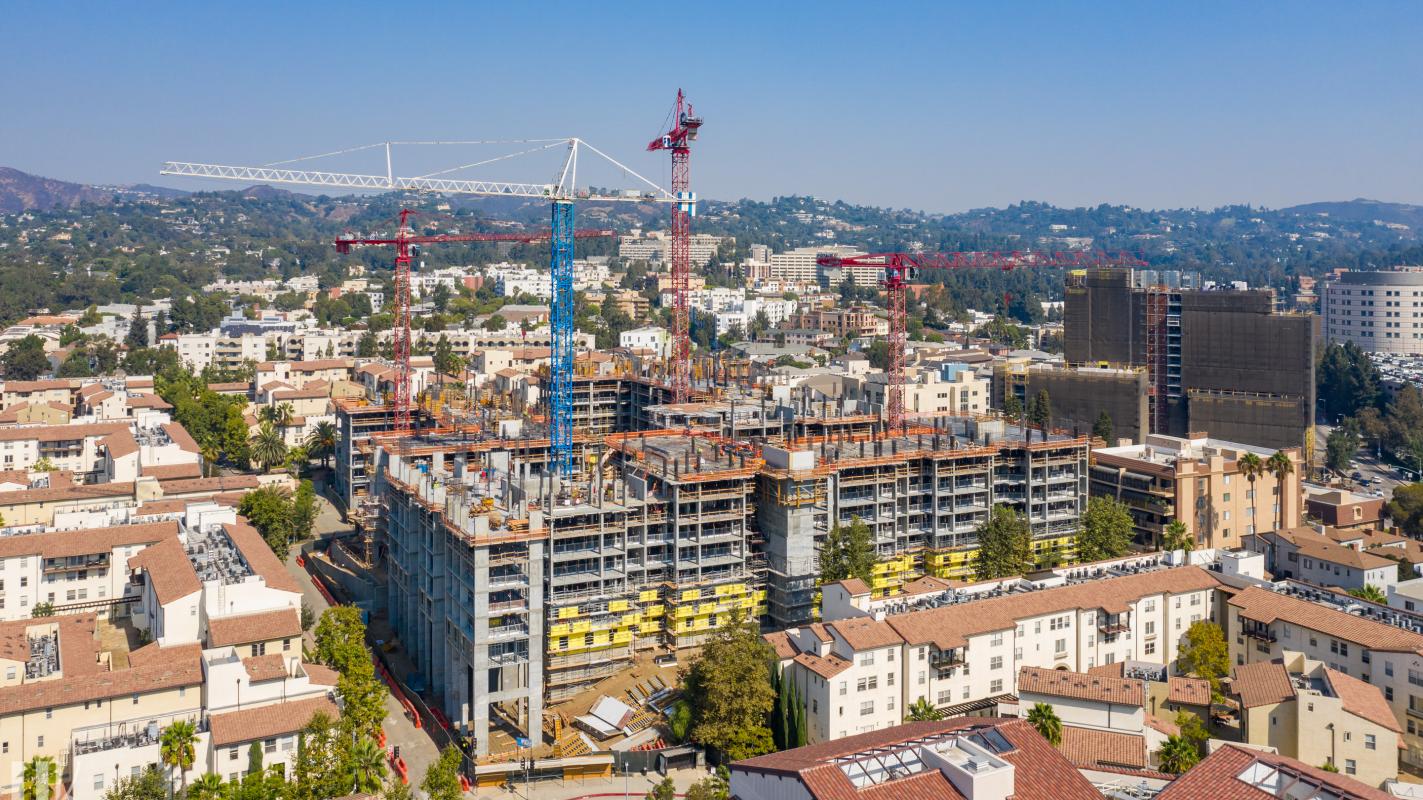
(405, 238)
(678, 140)
(899, 268)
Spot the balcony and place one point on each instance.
(101, 738)
(1258, 633)
(1113, 624)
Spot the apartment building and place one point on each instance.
(1197, 481)
(983, 759)
(799, 266)
(97, 452)
(74, 570)
(217, 583)
(1313, 556)
(852, 322)
(1382, 647)
(1305, 710)
(962, 651)
(937, 392)
(655, 246)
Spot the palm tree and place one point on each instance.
(1281, 467)
(279, 415)
(922, 710)
(267, 446)
(1042, 717)
(39, 771)
(206, 786)
(1177, 754)
(1370, 593)
(1177, 537)
(175, 747)
(1251, 467)
(367, 764)
(321, 442)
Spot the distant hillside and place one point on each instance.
(1361, 210)
(20, 191)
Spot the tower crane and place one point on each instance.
(406, 239)
(899, 268)
(678, 140)
(560, 193)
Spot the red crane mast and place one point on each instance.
(900, 267)
(678, 140)
(405, 238)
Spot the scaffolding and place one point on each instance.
(1156, 349)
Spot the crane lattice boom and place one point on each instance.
(678, 140)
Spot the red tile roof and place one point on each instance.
(1188, 691)
(263, 626)
(1040, 771)
(855, 586)
(260, 556)
(1217, 778)
(169, 571)
(270, 667)
(1089, 748)
(1261, 684)
(264, 722)
(1362, 699)
(1080, 686)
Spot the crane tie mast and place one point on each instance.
(685, 126)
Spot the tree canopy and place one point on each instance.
(1005, 545)
(728, 687)
(1205, 655)
(848, 552)
(1106, 529)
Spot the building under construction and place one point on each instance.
(513, 588)
(1222, 360)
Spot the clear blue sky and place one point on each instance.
(936, 106)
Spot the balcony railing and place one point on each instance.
(1261, 634)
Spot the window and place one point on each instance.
(269, 746)
(39, 741)
(98, 781)
(1150, 648)
(995, 687)
(1151, 627)
(1350, 768)
(889, 706)
(867, 708)
(945, 697)
(843, 689)
(868, 659)
(1370, 742)
(890, 656)
(996, 662)
(867, 684)
(889, 679)
(996, 640)
(260, 649)
(49, 713)
(1060, 646)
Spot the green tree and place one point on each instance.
(367, 346)
(666, 789)
(1102, 428)
(712, 787)
(322, 440)
(1281, 467)
(137, 330)
(304, 510)
(1192, 729)
(1251, 467)
(1045, 721)
(679, 721)
(366, 761)
(1012, 406)
(38, 778)
(1406, 509)
(1177, 537)
(147, 785)
(25, 359)
(848, 552)
(1348, 381)
(44, 465)
(1204, 654)
(341, 638)
(206, 786)
(277, 414)
(1040, 412)
(1005, 545)
(320, 769)
(442, 778)
(269, 509)
(308, 617)
(922, 710)
(363, 697)
(267, 447)
(1328, 766)
(1106, 529)
(1177, 754)
(446, 362)
(177, 748)
(729, 690)
(42, 610)
(1371, 593)
(1340, 446)
(397, 791)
